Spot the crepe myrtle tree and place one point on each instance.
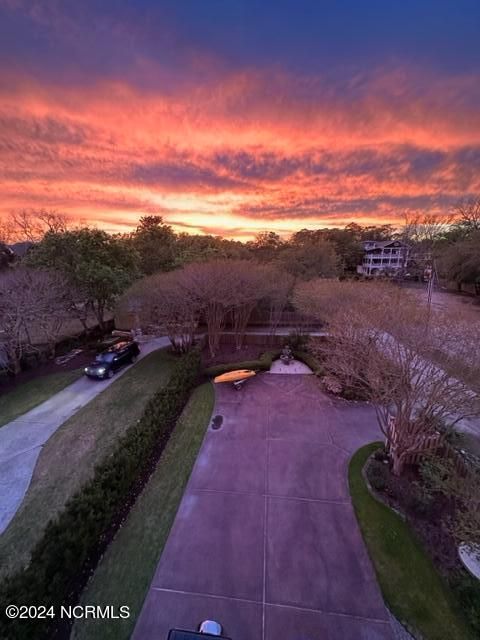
(164, 302)
(380, 345)
(213, 286)
(214, 290)
(279, 287)
(250, 284)
(34, 304)
(227, 288)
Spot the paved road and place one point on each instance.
(22, 439)
(265, 539)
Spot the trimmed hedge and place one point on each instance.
(264, 363)
(72, 543)
(310, 361)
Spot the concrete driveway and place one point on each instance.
(265, 540)
(22, 439)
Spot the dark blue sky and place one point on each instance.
(304, 36)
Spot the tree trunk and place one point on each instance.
(100, 312)
(14, 362)
(398, 464)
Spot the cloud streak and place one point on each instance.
(209, 141)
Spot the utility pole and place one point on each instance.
(431, 273)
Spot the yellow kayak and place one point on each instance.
(235, 376)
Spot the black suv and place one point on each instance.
(109, 361)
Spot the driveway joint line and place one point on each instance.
(271, 495)
(20, 453)
(206, 595)
(320, 500)
(217, 596)
(328, 613)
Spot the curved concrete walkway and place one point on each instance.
(22, 439)
(295, 366)
(265, 539)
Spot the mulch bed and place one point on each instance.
(426, 517)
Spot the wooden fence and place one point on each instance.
(425, 445)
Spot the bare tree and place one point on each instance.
(426, 228)
(248, 287)
(212, 284)
(279, 287)
(164, 302)
(378, 346)
(468, 213)
(7, 231)
(52, 306)
(33, 307)
(32, 224)
(176, 301)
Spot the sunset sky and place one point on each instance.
(235, 116)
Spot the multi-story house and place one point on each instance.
(383, 257)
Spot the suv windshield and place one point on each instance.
(105, 357)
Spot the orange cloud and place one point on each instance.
(249, 152)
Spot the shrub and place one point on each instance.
(57, 569)
(297, 341)
(418, 500)
(467, 592)
(380, 454)
(311, 361)
(332, 384)
(355, 393)
(377, 475)
(263, 363)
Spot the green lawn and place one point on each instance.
(410, 584)
(127, 568)
(70, 455)
(32, 393)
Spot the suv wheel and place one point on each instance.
(133, 358)
(109, 373)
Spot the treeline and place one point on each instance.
(81, 272)
(449, 245)
(76, 273)
(154, 246)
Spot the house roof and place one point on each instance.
(21, 248)
(381, 244)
